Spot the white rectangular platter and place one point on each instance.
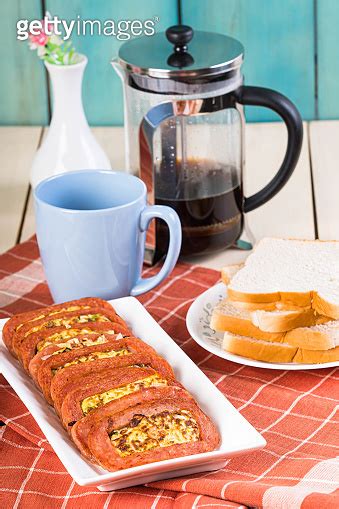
(237, 435)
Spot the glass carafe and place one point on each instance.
(184, 128)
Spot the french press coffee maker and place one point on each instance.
(184, 126)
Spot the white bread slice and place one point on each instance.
(273, 352)
(297, 272)
(228, 272)
(227, 317)
(282, 321)
(258, 349)
(318, 337)
(267, 306)
(304, 356)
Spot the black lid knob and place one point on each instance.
(181, 60)
(180, 36)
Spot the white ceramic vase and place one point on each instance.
(69, 144)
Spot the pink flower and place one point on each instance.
(40, 40)
(49, 25)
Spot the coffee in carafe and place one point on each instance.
(208, 200)
(184, 97)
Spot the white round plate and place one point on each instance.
(198, 320)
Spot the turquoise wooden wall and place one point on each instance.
(291, 45)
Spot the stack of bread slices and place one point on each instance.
(282, 305)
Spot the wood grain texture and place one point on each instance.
(23, 90)
(28, 228)
(324, 143)
(328, 58)
(278, 41)
(290, 212)
(102, 89)
(17, 149)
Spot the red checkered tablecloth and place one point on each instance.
(295, 412)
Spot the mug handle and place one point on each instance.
(172, 220)
(258, 96)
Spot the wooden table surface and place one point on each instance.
(307, 207)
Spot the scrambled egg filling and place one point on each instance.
(57, 322)
(74, 343)
(69, 337)
(92, 402)
(93, 357)
(64, 310)
(144, 433)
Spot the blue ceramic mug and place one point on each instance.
(91, 228)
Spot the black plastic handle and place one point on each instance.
(257, 96)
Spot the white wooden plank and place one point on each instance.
(324, 142)
(28, 228)
(17, 149)
(290, 212)
(112, 141)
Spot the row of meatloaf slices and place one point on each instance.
(116, 397)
